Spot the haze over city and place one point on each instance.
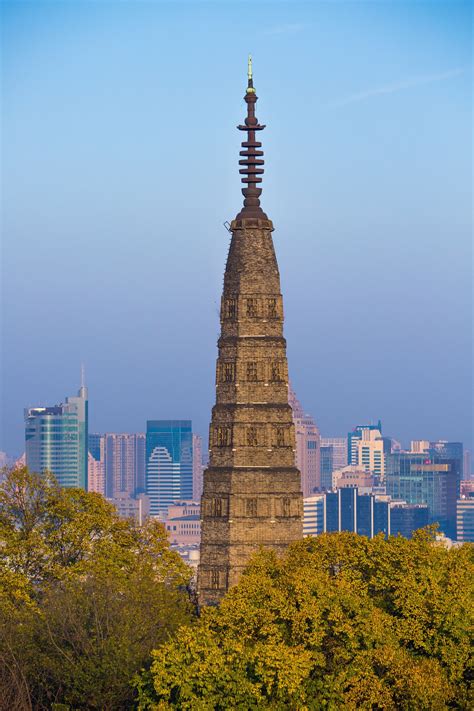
(120, 168)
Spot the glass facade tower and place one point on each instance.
(427, 478)
(56, 440)
(169, 463)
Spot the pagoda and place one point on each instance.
(252, 488)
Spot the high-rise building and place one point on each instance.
(465, 519)
(333, 455)
(339, 450)
(366, 447)
(124, 464)
(326, 467)
(354, 437)
(197, 467)
(96, 475)
(426, 478)
(252, 488)
(56, 440)
(367, 514)
(122, 456)
(308, 442)
(169, 463)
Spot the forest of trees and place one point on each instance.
(97, 613)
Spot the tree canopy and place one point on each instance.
(340, 622)
(84, 596)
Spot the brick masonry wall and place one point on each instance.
(252, 489)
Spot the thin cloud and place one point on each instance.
(398, 86)
(284, 29)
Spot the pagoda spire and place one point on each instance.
(252, 158)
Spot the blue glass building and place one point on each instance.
(56, 440)
(366, 514)
(327, 466)
(429, 478)
(169, 463)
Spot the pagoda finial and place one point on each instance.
(250, 89)
(252, 161)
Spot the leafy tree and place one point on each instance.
(84, 596)
(340, 622)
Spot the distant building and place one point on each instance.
(352, 476)
(371, 449)
(465, 520)
(449, 450)
(366, 514)
(190, 554)
(307, 447)
(56, 440)
(137, 509)
(333, 455)
(339, 450)
(406, 518)
(327, 467)
(169, 463)
(123, 458)
(467, 466)
(466, 488)
(124, 464)
(313, 516)
(426, 478)
(418, 446)
(96, 475)
(183, 523)
(354, 437)
(198, 467)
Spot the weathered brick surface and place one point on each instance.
(252, 489)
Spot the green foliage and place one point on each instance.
(340, 622)
(84, 597)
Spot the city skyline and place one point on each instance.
(370, 197)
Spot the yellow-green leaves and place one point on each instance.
(84, 597)
(340, 622)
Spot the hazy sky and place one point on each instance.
(120, 166)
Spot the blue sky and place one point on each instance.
(120, 166)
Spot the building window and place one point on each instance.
(229, 372)
(252, 437)
(251, 507)
(215, 579)
(276, 374)
(272, 308)
(216, 507)
(280, 436)
(252, 373)
(230, 308)
(223, 436)
(251, 308)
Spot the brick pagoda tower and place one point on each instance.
(252, 489)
